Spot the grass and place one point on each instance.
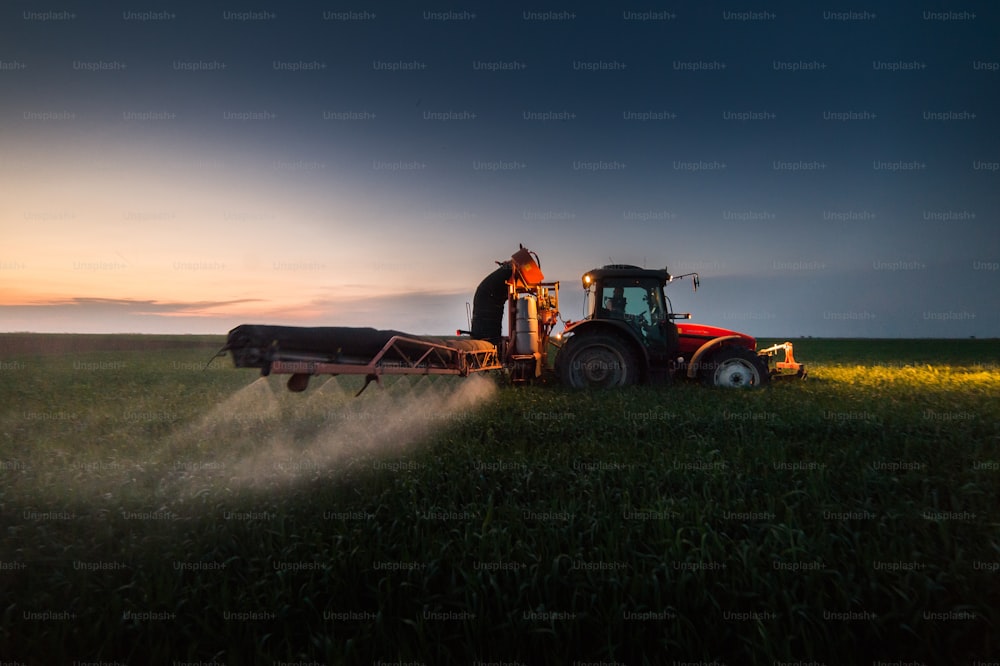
(154, 512)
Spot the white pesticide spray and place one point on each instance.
(263, 436)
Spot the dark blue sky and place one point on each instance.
(828, 169)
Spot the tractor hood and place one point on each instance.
(694, 335)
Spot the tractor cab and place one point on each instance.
(632, 298)
(627, 334)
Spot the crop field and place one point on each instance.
(153, 511)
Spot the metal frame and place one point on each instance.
(430, 359)
(526, 366)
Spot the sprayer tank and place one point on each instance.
(526, 325)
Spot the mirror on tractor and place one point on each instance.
(695, 280)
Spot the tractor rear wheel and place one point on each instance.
(597, 361)
(735, 367)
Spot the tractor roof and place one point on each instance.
(628, 271)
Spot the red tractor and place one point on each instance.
(628, 336)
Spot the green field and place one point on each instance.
(155, 512)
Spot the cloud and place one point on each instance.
(413, 312)
(118, 315)
(137, 307)
(417, 312)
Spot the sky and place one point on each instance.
(829, 169)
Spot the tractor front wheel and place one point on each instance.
(735, 367)
(597, 361)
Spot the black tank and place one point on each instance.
(488, 305)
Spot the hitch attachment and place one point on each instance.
(789, 367)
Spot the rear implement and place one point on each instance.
(340, 350)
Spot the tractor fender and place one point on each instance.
(620, 329)
(714, 343)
